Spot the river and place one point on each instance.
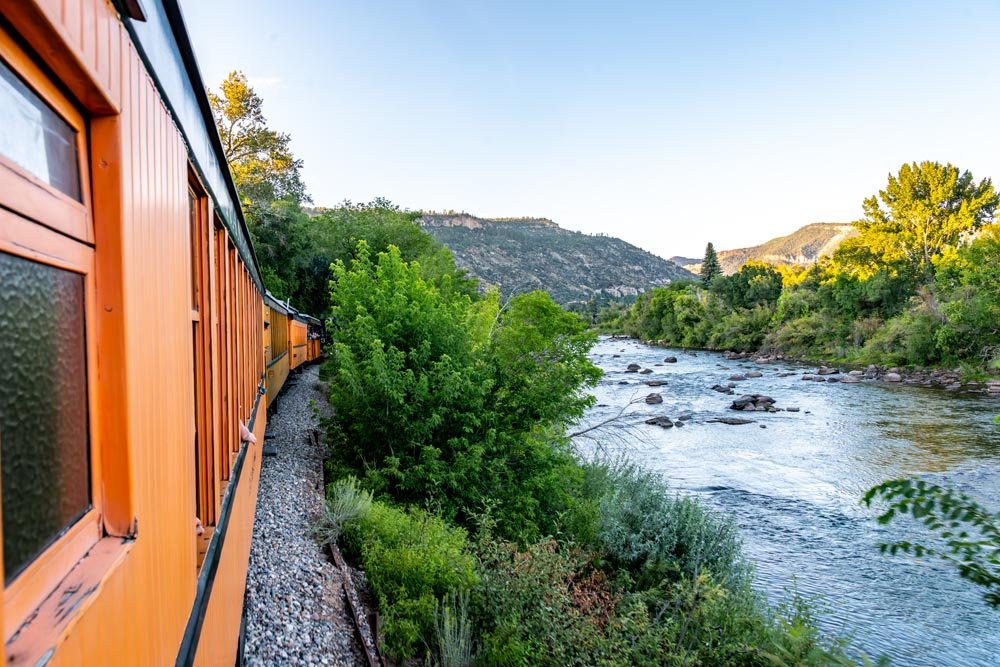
(794, 488)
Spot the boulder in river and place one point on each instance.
(752, 402)
(731, 421)
(808, 377)
(828, 371)
(791, 409)
(737, 378)
(722, 389)
(632, 368)
(655, 383)
(654, 399)
(850, 379)
(755, 374)
(670, 360)
(833, 379)
(645, 371)
(663, 422)
(892, 377)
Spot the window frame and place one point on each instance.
(24, 192)
(205, 471)
(35, 242)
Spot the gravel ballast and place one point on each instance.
(295, 608)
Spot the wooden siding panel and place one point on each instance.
(141, 610)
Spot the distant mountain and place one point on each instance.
(800, 248)
(524, 254)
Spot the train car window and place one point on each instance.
(44, 440)
(35, 137)
(202, 438)
(196, 250)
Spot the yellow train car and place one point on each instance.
(299, 335)
(134, 345)
(276, 344)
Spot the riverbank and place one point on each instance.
(794, 487)
(951, 379)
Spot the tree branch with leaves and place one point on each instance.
(969, 534)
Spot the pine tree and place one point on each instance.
(710, 267)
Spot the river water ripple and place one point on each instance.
(794, 489)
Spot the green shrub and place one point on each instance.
(546, 605)
(454, 632)
(345, 502)
(909, 339)
(412, 559)
(455, 404)
(656, 535)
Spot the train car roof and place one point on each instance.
(275, 304)
(161, 39)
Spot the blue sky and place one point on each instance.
(666, 124)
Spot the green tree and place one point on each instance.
(755, 284)
(924, 209)
(710, 267)
(261, 159)
(453, 402)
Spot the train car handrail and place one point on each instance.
(277, 358)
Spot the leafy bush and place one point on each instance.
(545, 605)
(655, 535)
(454, 404)
(412, 560)
(909, 339)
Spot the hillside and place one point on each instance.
(523, 254)
(802, 247)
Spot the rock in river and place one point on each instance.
(670, 360)
(755, 374)
(645, 371)
(753, 402)
(654, 399)
(732, 421)
(722, 389)
(655, 383)
(892, 377)
(663, 422)
(737, 378)
(633, 368)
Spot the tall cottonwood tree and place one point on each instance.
(263, 166)
(268, 178)
(926, 208)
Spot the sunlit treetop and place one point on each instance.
(260, 158)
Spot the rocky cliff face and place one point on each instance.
(524, 254)
(800, 248)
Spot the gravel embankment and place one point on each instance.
(295, 606)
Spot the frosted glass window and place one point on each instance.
(43, 407)
(35, 137)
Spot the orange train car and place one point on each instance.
(136, 340)
(276, 344)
